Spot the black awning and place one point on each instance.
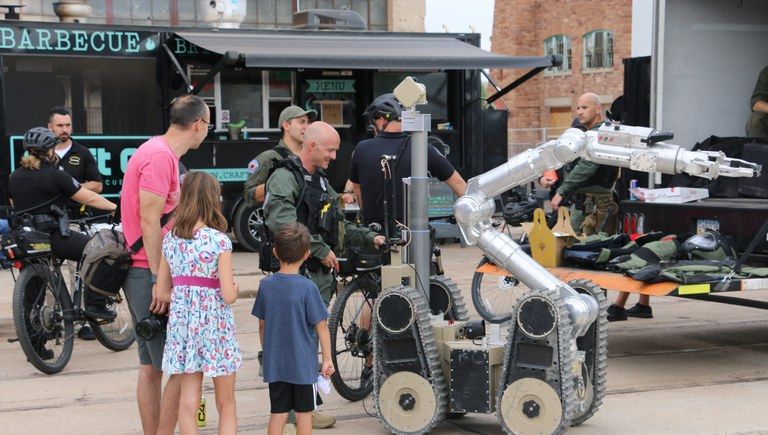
(356, 50)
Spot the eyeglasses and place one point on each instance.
(210, 126)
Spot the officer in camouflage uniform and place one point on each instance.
(591, 184)
(293, 121)
(757, 125)
(314, 203)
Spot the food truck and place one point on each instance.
(119, 81)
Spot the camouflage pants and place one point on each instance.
(757, 126)
(599, 210)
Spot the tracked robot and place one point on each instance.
(549, 371)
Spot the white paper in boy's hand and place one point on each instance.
(323, 384)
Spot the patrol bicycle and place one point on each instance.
(352, 308)
(44, 313)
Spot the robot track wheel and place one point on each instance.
(407, 402)
(531, 406)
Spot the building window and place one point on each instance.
(262, 14)
(598, 49)
(559, 44)
(254, 96)
(268, 14)
(374, 12)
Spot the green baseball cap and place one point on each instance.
(291, 112)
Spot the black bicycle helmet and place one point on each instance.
(516, 213)
(39, 139)
(384, 106)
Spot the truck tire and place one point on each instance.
(247, 226)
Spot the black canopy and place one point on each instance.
(356, 50)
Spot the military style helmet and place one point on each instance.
(39, 139)
(709, 245)
(384, 106)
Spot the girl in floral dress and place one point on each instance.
(196, 275)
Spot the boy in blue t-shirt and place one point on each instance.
(292, 316)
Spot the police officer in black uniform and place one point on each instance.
(42, 189)
(368, 182)
(76, 159)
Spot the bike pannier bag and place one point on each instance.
(106, 261)
(26, 243)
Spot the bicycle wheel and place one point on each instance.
(494, 295)
(117, 334)
(349, 323)
(39, 301)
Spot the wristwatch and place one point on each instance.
(153, 278)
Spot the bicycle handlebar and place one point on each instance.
(84, 220)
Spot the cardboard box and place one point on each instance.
(547, 245)
(672, 195)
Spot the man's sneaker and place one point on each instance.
(615, 313)
(643, 311)
(85, 333)
(100, 312)
(322, 421)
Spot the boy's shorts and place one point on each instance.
(284, 396)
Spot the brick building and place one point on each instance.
(593, 37)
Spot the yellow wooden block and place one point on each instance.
(693, 289)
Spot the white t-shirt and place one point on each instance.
(62, 153)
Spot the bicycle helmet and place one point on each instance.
(384, 106)
(516, 213)
(39, 139)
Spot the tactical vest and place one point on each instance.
(605, 176)
(248, 188)
(283, 151)
(314, 206)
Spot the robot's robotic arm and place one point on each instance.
(637, 148)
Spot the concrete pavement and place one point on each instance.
(697, 367)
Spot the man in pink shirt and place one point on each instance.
(151, 190)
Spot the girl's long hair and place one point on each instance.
(200, 201)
